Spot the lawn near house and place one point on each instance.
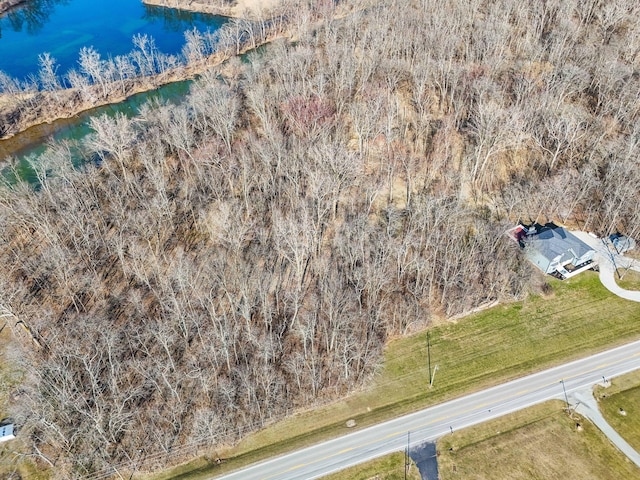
(541, 442)
(578, 317)
(630, 279)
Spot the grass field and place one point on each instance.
(579, 317)
(541, 442)
(624, 394)
(630, 279)
(389, 467)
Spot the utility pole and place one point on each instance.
(429, 359)
(566, 399)
(406, 455)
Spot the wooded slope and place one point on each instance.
(250, 252)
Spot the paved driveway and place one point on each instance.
(587, 406)
(609, 260)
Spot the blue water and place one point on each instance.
(32, 143)
(62, 27)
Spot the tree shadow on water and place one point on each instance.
(30, 16)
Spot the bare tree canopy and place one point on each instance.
(249, 252)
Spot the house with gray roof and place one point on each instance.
(555, 250)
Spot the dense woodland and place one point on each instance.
(218, 264)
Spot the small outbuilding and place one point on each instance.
(6, 432)
(554, 250)
(622, 243)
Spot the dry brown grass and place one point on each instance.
(540, 442)
(624, 394)
(12, 466)
(389, 467)
(8, 373)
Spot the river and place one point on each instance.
(33, 141)
(61, 27)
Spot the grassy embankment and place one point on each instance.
(579, 317)
(624, 393)
(389, 467)
(539, 442)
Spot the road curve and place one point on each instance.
(434, 422)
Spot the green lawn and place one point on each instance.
(623, 394)
(579, 317)
(541, 442)
(630, 279)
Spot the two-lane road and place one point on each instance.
(436, 421)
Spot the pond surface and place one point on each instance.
(63, 27)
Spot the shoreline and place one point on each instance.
(141, 85)
(6, 5)
(49, 102)
(242, 9)
(189, 6)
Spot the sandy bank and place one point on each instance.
(6, 5)
(237, 9)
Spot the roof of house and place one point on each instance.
(553, 241)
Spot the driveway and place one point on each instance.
(609, 260)
(587, 406)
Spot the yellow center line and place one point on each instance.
(477, 408)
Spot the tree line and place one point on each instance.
(248, 252)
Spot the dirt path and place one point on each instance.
(587, 406)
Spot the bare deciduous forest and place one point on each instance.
(249, 252)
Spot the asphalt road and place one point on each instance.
(434, 422)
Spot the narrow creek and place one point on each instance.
(33, 141)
